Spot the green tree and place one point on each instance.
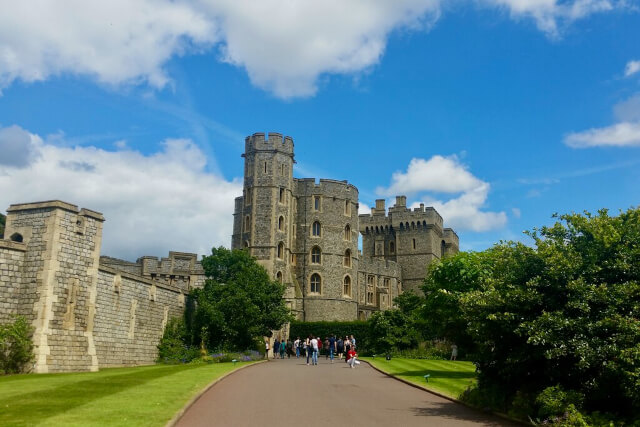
(16, 347)
(562, 315)
(3, 220)
(239, 302)
(392, 329)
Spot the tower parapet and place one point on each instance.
(273, 141)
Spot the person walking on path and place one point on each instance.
(289, 348)
(332, 347)
(266, 349)
(307, 348)
(296, 344)
(340, 347)
(276, 348)
(314, 351)
(326, 347)
(283, 348)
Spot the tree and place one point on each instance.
(16, 347)
(557, 319)
(239, 302)
(392, 329)
(3, 220)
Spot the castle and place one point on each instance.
(306, 235)
(91, 311)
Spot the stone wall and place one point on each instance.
(11, 262)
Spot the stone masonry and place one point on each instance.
(305, 233)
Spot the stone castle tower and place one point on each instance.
(305, 233)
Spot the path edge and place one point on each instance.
(176, 417)
(449, 398)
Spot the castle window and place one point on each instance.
(280, 250)
(414, 244)
(401, 226)
(265, 167)
(281, 223)
(379, 250)
(347, 207)
(370, 294)
(347, 232)
(293, 259)
(315, 229)
(370, 280)
(443, 248)
(346, 286)
(16, 237)
(347, 258)
(247, 198)
(279, 277)
(282, 169)
(316, 283)
(246, 244)
(316, 255)
(392, 248)
(316, 203)
(247, 223)
(281, 197)
(386, 283)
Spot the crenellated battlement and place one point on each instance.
(400, 217)
(273, 141)
(326, 187)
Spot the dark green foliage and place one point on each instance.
(173, 347)
(238, 304)
(562, 314)
(3, 220)
(16, 347)
(359, 329)
(392, 330)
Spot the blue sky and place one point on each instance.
(497, 112)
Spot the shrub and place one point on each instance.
(554, 402)
(172, 347)
(439, 350)
(16, 347)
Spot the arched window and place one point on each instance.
(279, 277)
(280, 250)
(347, 258)
(414, 243)
(401, 226)
(281, 195)
(316, 283)
(347, 207)
(392, 248)
(247, 224)
(16, 237)
(316, 255)
(315, 229)
(443, 248)
(346, 288)
(347, 232)
(281, 223)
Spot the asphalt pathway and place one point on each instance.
(290, 393)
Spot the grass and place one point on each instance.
(450, 378)
(141, 396)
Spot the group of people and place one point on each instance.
(311, 347)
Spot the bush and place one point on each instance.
(359, 329)
(438, 350)
(554, 402)
(173, 347)
(16, 347)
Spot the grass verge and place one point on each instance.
(141, 396)
(450, 378)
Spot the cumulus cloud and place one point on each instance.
(551, 15)
(152, 203)
(16, 147)
(632, 68)
(617, 135)
(447, 175)
(285, 47)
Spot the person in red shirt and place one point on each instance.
(351, 357)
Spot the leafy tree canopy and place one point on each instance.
(563, 314)
(239, 302)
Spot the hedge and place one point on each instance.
(359, 329)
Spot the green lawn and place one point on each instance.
(450, 378)
(142, 396)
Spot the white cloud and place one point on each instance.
(516, 212)
(617, 135)
(550, 15)
(152, 203)
(16, 147)
(631, 68)
(285, 47)
(363, 208)
(628, 110)
(447, 175)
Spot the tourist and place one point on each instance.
(296, 344)
(276, 348)
(289, 348)
(325, 345)
(332, 346)
(307, 348)
(353, 342)
(266, 349)
(340, 347)
(347, 344)
(454, 351)
(283, 348)
(314, 351)
(351, 358)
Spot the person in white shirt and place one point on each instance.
(296, 344)
(314, 351)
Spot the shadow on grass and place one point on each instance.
(458, 412)
(31, 408)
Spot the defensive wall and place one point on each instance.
(87, 312)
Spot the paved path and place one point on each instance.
(287, 392)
